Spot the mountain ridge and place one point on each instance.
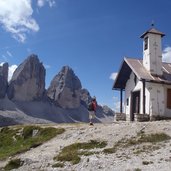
(26, 100)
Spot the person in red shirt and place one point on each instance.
(92, 110)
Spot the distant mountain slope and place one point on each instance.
(25, 100)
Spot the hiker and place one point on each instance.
(92, 109)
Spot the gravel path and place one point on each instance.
(41, 158)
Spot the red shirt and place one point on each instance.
(94, 105)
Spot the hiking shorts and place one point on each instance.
(92, 115)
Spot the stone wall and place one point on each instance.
(141, 117)
(120, 117)
(158, 117)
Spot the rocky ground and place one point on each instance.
(41, 158)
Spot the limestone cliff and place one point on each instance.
(3, 79)
(28, 81)
(28, 101)
(65, 89)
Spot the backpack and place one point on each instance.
(90, 106)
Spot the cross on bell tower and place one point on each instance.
(152, 23)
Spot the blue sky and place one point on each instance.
(90, 36)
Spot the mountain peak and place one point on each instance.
(3, 79)
(28, 80)
(65, 88)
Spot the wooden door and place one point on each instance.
(135, 104)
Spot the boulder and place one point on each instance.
(3, 79)
(28, 81)
(65, 88)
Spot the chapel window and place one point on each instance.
(146, 43)
(169, 98)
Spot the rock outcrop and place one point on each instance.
(65, 88)
(85, 97)
(104, 111)
(3, 79)
(27, 100)
(28, 81)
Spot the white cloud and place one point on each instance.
(113, 76)
(47, 66)
(41, 3)
(11, 70)
(116, 103)
(16, 18)
(4, 58)
(51, 3)
(1, 63)
(167, 54)
(9, 53)
(117, 106)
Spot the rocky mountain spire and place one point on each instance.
(28, 80)
(3, 79)
(65, 89)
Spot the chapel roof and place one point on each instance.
(153, 31)
(136, 66)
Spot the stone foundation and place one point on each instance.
(141, 117)
(157, 118)
(120, 117)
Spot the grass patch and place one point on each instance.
(13, 164)
(137, 169)
(153, 138)
(58, 165)
(20, 139)
(72, 152)
(147, 162)
(116, 146)
(139, 139)
(88, 153)
(146, 148)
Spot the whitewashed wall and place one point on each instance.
(130, 86)
(157, 101)
(147, 98)
(167, 112)
(152, 57)
(155, 97)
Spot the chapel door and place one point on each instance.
(135, 104)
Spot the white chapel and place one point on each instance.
(145, 83)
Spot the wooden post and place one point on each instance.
(121, 101)
(143, 81)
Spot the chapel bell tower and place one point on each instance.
(152, 51)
